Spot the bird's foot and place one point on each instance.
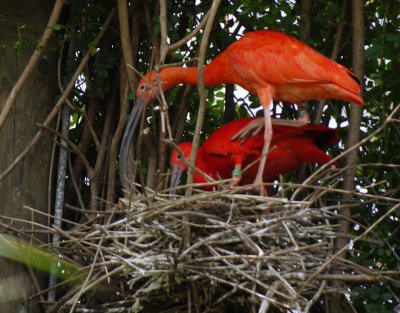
(251, 129)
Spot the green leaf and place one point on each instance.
(57, 27)
(92, 47)
(20, 251)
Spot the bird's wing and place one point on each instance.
(321, 135)
(308, 151)
(220, 142)
(276, 58)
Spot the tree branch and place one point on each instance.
(60, 101)
(126, 39)
(189, 36)
(33, 62)
(163, 30)
(202, 91)
(355, 110)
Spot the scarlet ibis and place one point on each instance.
(220, 156)
(268, 63)
(178, 165)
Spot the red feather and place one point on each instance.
(272, 65)
(292, 146)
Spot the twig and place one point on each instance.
(360, 143)
(384, 216)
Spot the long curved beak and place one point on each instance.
(126, 141)
(175, 178)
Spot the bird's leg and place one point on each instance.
(236, 175)
(267, 140)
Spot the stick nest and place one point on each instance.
(216, 251)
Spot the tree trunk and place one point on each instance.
(338, 303)
(230, 109)
(355, 111)
(27, 183)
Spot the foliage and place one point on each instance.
(234, 17)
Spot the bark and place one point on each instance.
(27, 183)
(355, 110)
(229, 114)
(334, 55)
(305, 27)
(337, 303)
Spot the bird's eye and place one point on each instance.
(142, 87)
(178, 156)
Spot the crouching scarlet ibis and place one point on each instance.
(270, 64)
(220, 156)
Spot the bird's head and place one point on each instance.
(178, 164)
(177, 159)
(148, 88)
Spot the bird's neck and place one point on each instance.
(172, 76)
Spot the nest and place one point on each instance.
(213, 251)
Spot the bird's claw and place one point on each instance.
(251, 129)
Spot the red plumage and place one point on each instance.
(292, 146)
(272, 65)
(262, 62)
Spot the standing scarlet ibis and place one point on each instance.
(270, 64)
(220, 156)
